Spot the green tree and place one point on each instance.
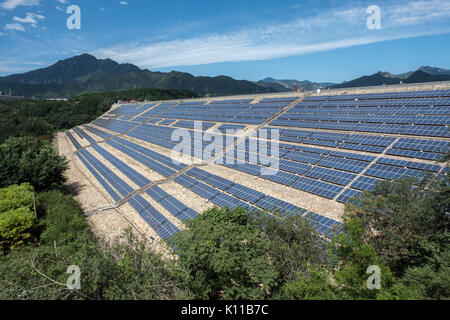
(31, 160)
(405, 221)
(237, 254)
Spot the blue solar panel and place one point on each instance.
(105, 185)
(275, 205)
(223, 200)
(364, 183)
(132, 174)
(320, 188)
(188, 213)
(204, 190)
(347, 195)
(284, 178)
(219, 182)
(157, 193)
(330, 175)
(245, 193)
(185, 181)
(324, 225)
(74, 141)
(198, 173)
(172, 205)
(123, 188)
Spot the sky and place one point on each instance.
(322, 41)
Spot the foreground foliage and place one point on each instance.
(231, 254)
(236, 254)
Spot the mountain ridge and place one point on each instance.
(87, 74)
(422, 74)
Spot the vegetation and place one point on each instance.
(43, 117)
(231, 254)
(17, 218)
(31, 160)
(236, 254)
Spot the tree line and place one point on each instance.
(37, 117)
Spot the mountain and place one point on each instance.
(85, 74)
(287, 84)
(376, 79)
(423, 74)
(427, 69)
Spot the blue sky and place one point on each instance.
(304, 39)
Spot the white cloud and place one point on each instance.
(124, 3)
(14, 26)
(8, 65)
(31, 18)
(59, 8)
(338, 28)
(12, 4)
(102, 9)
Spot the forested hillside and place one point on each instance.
(19, 118)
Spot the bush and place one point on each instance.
(17, 217)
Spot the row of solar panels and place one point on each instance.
(383, 95)
(406, 147)
(377, 103)
(392, 119)
(370, 110)
(403, 129)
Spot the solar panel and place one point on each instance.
(188, 213)
(223, 200)
(173, 205)
(279, 206)
(364, 183)
(245, 193)
(320, 188)
(347, 195)
(157, 193)
(185, 181)
(204, 190)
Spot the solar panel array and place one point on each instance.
(332, 147)
(416, 113)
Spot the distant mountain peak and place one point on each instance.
(386, 74)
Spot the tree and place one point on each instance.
(237, 254)
(225, 256)
(405, 221)
(31, 160)
(17, 218)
